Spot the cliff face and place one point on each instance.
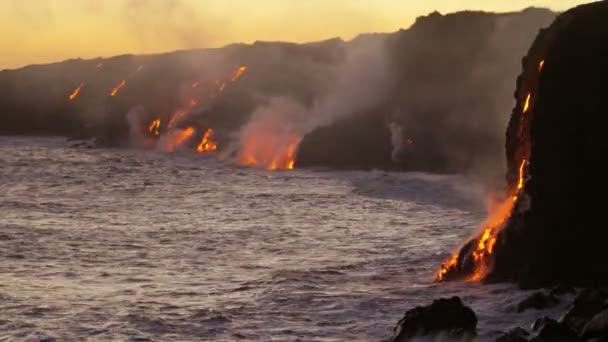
(552, 231)
(439, 105)
(558, 236)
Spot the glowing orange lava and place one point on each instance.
(527, 104)
(177, 138)
(154, 127)
(238, 73)
(206, 144)
(491, 227)
(271, 152)
(75, 92)
(541, 65)
(116, 89)
(520, 182)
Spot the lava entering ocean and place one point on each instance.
(474, 260)
(207, 144)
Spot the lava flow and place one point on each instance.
(177, 138)
(75, 92)
(527, 104)
(154, 127)
(116, 89)
(484, 247)
(206, 144)
(270, 152)
(238, 73)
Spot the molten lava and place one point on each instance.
(520, 182)
(541, 65)
(206, 144)
(238, 73)
(527, 104)
(177, 138)
(75, 92)
(271, 152)
(154, 127)
(116, 89)
(491, 227)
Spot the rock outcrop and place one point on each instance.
(447, 316)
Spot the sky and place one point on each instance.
(40, 31)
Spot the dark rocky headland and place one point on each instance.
(553, 237)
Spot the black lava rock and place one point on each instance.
(553, 331)
(587, 304)
(561, 290)
(446, 315)
(597, 327)
(514, 335)
(538, 300)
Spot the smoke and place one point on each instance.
(397, 140)
(136, 120)
(359, 84)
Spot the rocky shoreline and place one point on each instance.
(585, 319)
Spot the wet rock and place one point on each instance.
(540, 323)
(514, 335)
(553, 331)
(48, 339)
(447, 316)
(587, 304)
(597, 327)
(561, 290)
(538, 300)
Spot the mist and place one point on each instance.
(435, 97)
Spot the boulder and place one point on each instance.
(587, 304)
(553, 331)
(448, 316)
(597, 327)
(538, 300)
(514, 335)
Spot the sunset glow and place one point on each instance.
(53, 30)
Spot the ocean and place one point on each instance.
(132, 245)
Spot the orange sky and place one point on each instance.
(38, 31)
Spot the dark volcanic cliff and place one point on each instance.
(555, 147)
(559, 235)
(439, 106)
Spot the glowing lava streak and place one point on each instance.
(541, 65)
(238, 73)
(76, 91)
(491, 227)
(118, 87)
(155, 127)
(177, 138)
(527, 104)
(206, 144)
(520, 182)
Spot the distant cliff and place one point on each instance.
(431, 98)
